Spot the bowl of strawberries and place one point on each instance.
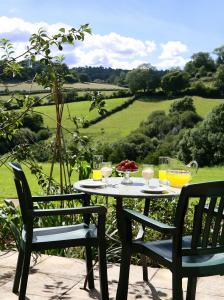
(127, 167)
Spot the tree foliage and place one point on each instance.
(200, 64)
(182, 105)
(174, 82)
(205, 142)
(145, 78)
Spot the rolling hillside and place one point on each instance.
(122, 123)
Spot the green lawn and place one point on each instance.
(79, 109)
(8, 186)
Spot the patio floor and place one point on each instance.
(53, 277)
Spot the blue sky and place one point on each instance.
(164, 33)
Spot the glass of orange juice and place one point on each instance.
(96, 172)
(163, 167)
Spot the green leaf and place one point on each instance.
(62, 29)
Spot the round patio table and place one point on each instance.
(114, 188)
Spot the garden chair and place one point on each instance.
(35, 239)
(193, 252)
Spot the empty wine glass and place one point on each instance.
(147, 172)
(106, 169)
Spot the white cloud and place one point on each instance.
(171, 49)
(177, 61)
(110, 50)
(172, 55)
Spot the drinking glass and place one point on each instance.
(106, 169)
(147, 172)
(163, 167)
(97, 173)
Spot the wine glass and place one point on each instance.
(106, 169)
(147, 172)
(163, 167)
(97, 173)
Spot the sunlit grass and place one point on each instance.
(8, 187)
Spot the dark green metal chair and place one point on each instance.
(37, 239)
(199, 253)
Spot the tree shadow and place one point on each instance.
(6, 277)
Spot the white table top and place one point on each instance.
(116, 189)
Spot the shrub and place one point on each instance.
(24, 136)
(43, 134)
(182, 105)
(33, 121)
(70, 96)
(41, 152)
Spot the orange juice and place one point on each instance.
(162, 175)
(97, 175)
(178, 178)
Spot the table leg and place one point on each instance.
(119, 208)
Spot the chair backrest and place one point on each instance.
(207, 230)
(23, 190)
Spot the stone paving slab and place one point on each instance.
(53, 277)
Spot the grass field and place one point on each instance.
(79, 109)
(8, 187)
(85, 86)
(122, 123)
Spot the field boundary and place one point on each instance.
(110, 112)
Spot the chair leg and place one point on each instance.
(103, 271)
(19, 266)
(177, 287)
(191, 288)
(89, 267)
(122, 289)
(25, 273)
(144, 268)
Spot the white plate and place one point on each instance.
(155, 189)
(92, 184)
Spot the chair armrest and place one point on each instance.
(149, 222)
(100, 210)
(59, 197)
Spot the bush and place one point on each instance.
(198, 88)
(70, 96)
(33, 121)
(182, 105)
(24, 136)
(43, 134)
(42, 152)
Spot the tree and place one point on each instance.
(52, 77)
(174, 82)
(201, 63)
(83, 77)
(219, 78)
(205, 142)
(136, 80)
(145, 78)
(220, 53)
